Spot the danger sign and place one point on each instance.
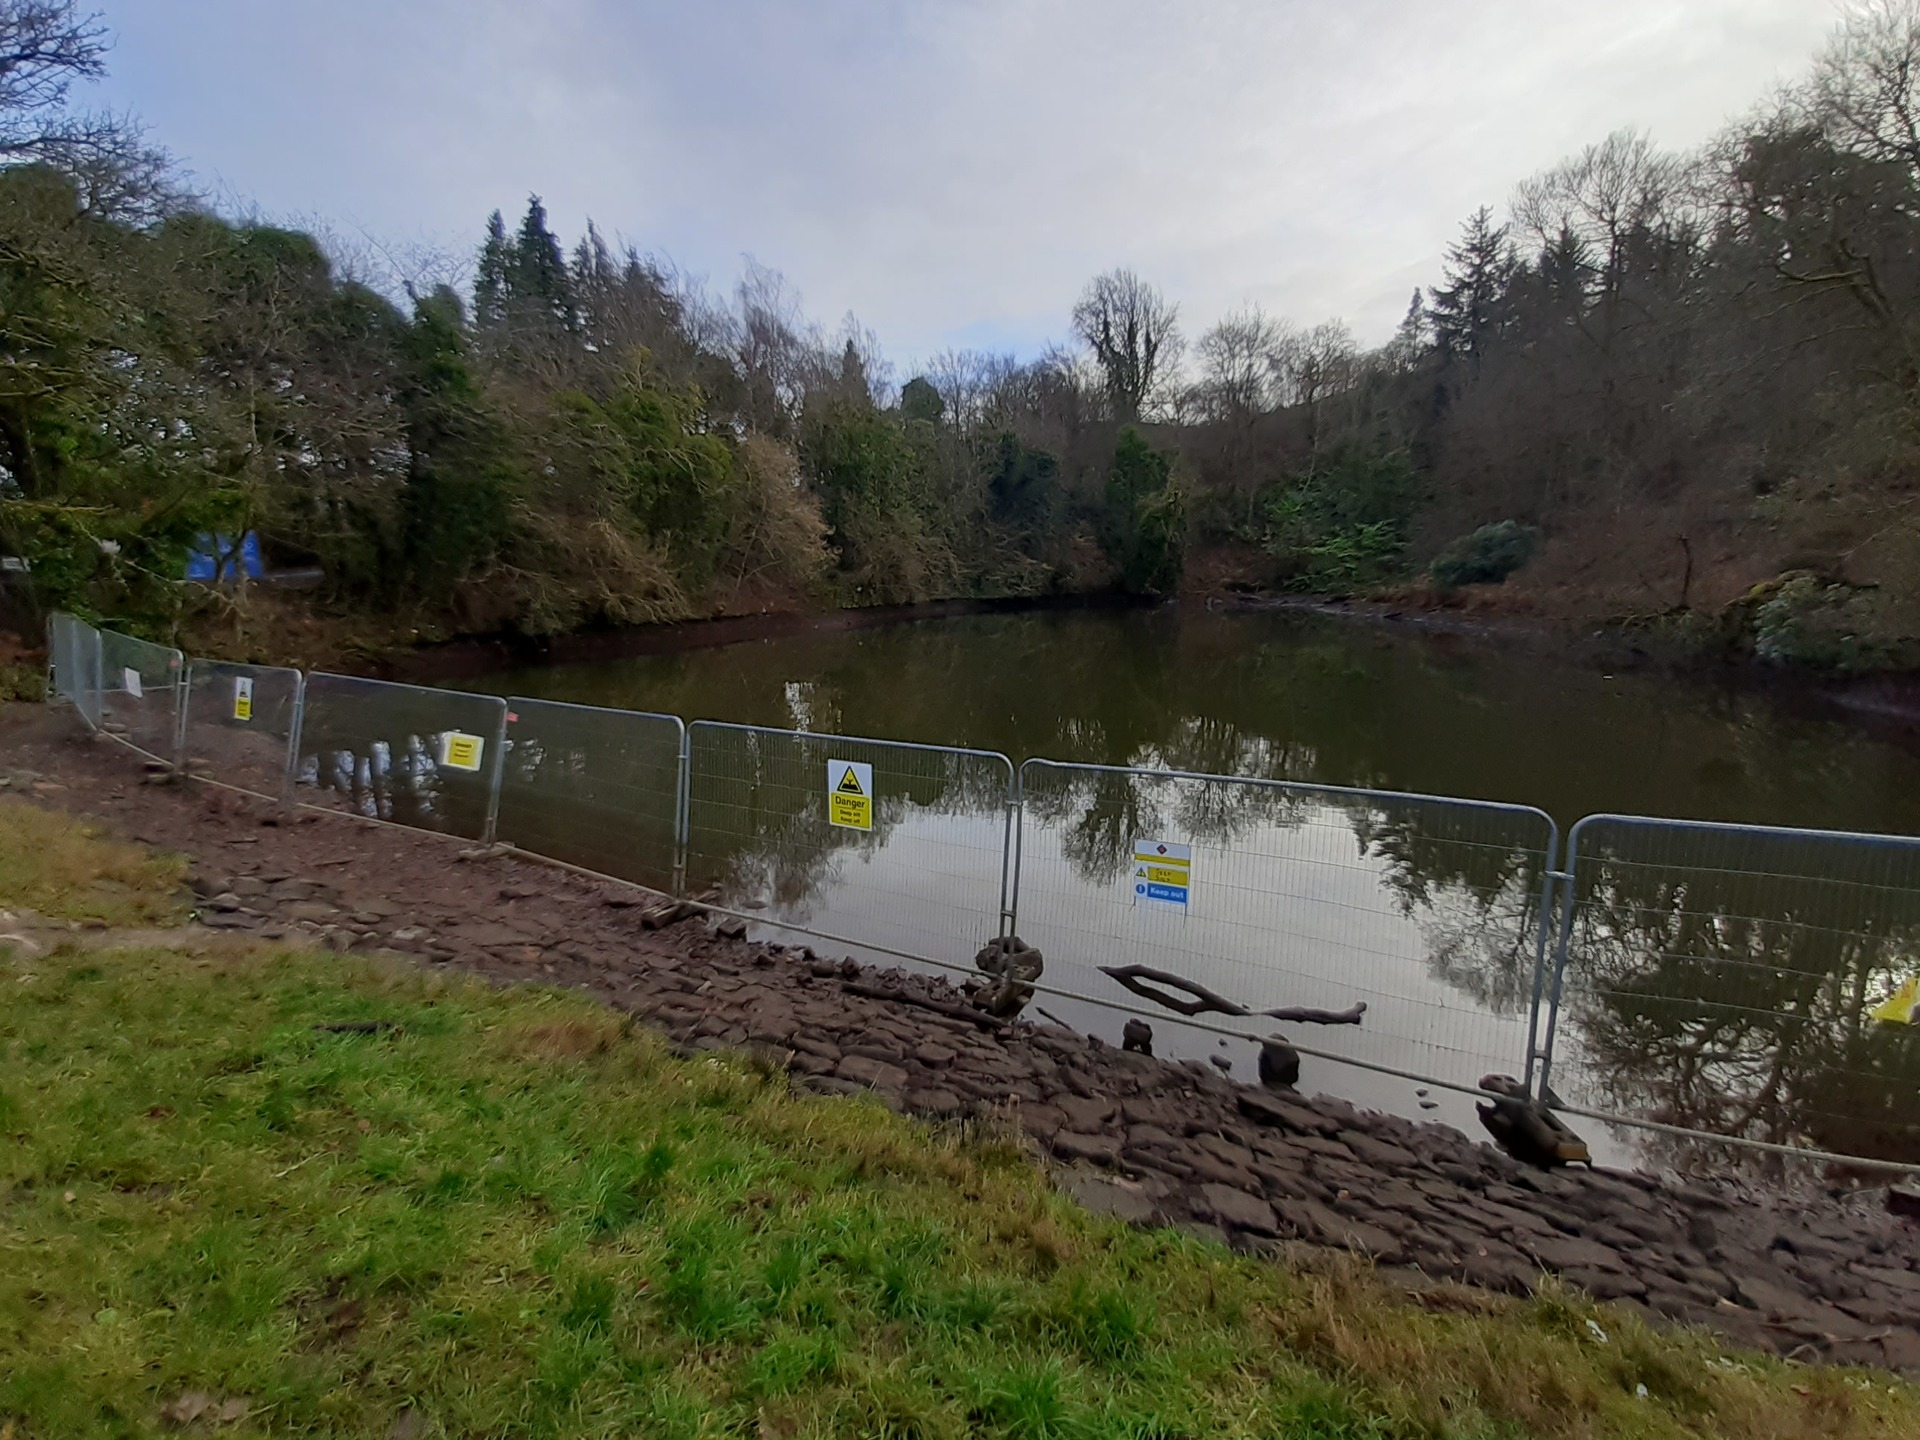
(461, 752)
(242, 698)
(850, 794)
(1162, 873)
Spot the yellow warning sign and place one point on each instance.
(461, 752)
(850, 795)
(1899, 1007)
(242, 698)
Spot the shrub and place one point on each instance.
(1487, 556)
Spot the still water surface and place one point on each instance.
(1428, 912)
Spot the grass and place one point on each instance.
(510, 1214)
(63, 869)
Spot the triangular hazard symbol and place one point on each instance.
(850, 783)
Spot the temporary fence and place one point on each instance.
(1272, 894)
(73, 663)
(791, 827)
(595, 788)
(405, 754)
(1738, 981)
(140, 689)
(1732, 982)
(239, 724)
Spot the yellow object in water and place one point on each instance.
(1898, 1008)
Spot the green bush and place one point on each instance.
(1806, 621)
(1487, 556)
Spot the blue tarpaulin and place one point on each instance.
(221, 557)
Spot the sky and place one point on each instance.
(950, 171)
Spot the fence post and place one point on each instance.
(683, 812)
(1010, 863)
(1554, 891)
(291, 777)
(495, 774)
(182, 699)
(1569, 901)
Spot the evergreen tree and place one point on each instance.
(537, 279)
(490, 283)
(1467, 309)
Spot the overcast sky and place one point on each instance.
(950, 170)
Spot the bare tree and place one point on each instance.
(1134, 334)
(1605, 198)
(1863, 91)
(1238, 358)
(46, 45)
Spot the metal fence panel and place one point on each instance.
(593, 787)
(774, 823)
(73, 654)
(1725, 979)
(238, 724)
(404, 753)
(140, 689)
(1272, 894)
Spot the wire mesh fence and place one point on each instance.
(895, 846)
(1269, 894)
(401, 753)
(1742, 981)
(238, 724)
(593, 787)
(73, 655)
(141, 685)
(1725, 981)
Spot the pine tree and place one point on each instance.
(537, 280)
(490, 284)
(1467, 310)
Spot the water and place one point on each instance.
(1427, 912)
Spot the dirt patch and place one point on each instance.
(1148, 1140)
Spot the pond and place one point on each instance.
(1429, 912)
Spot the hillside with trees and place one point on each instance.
(1675, 391)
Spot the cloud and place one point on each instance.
(951, 172)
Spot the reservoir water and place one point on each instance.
(1429, 913)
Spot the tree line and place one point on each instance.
(1681, 387)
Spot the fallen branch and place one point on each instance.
(1205, 1002)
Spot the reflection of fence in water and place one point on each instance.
(1722, 978)
(238, 722)
(139, 693)
(1427, 909)
(928, 878)
(382, 751)
(593, 787)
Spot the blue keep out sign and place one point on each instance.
(1165, 894)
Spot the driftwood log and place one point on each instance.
(1141, 979)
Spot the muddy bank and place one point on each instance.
(1152, 1141)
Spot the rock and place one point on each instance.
(875, 1074)
(1279, 1064)
(1330, 1227)
(1013, 966)
(1370, 1151)
(1904, 1200)
(22, 947)
(1569, 1252)
(1237, 1210)
(1109, 1195)
(935, 1055)
(1221, 1063)
(1605, 1284)
(1137, 1036)
(1085, 1112)
(1100, 1149)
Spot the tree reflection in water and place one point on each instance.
(1722, 981)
